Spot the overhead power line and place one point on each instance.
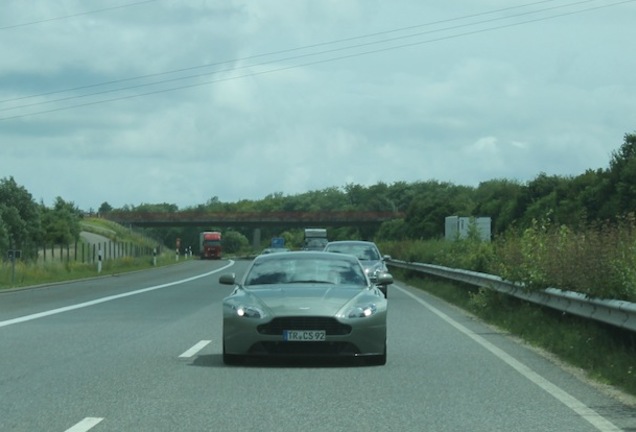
(95, 11)
(315, 62)
(290, 50)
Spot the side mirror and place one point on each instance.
(384, 279)
(386, 258)
(227, 279)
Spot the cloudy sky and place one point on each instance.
(175, 101)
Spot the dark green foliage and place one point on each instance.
(234, 242)
(60, 224)
(105, 208)
(19, 218)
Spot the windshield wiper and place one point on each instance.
(312, 281)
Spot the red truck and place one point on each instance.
(210, 245)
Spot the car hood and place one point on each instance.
(305, 299)
(370, 263)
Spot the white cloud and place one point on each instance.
(242, 119)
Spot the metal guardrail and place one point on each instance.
(614, 312)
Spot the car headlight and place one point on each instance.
(361, 311)
(249, 311)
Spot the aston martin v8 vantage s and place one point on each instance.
(305, 304)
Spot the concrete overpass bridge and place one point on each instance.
(253, 220)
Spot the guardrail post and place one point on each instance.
(99, 260)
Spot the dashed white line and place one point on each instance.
(87, 424)
(195, 349)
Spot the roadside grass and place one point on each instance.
(40, 273)
(115, 232)
(61, 265)
(596, 259)
(606, 354)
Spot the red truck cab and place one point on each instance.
(210, 245)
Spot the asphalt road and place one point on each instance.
(141, 352)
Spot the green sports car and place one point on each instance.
(305, 304)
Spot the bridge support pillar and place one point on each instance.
(256, 238)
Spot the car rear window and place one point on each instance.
(285, 271)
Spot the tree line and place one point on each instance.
(605, 194)
(26, 225)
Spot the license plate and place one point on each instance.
(304, 335)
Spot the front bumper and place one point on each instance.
(367, 336)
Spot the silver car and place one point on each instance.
(369, 255)
(305, 304)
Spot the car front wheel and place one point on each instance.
(232, 359)
(378, 360)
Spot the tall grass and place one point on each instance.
(23, 274)
(63, 266)
(598, 261)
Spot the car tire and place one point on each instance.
(232, 359)
(378, 360)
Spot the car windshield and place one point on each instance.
(360, 251)
(302, 270)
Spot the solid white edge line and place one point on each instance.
(594, 418)
(105, 299)
(195, 349)
(85, 425)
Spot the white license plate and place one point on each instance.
(304, 335)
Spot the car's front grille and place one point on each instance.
(304, 348)
(331, 325)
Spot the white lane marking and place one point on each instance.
(594, 418)
(85, 425)
(104, 299)
(195, 349)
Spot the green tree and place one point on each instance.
(105, 208)
(4, 237)
(622, 176)
(432, 203)
(234, 242)
(392, 230)
(61, 224)
(593, 192)
(159, 207)
(497, 199)
(20, 217)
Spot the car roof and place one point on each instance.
(309, 255)
(352, 242)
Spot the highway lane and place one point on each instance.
(151, 361)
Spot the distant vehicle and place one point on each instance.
(270, 250)
(305, 304)
(210, 245)
(368, 254)
(315, 239)
(277, 242)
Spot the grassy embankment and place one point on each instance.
(600, 262)
(29, 273)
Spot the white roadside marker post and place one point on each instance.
(99, 260)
